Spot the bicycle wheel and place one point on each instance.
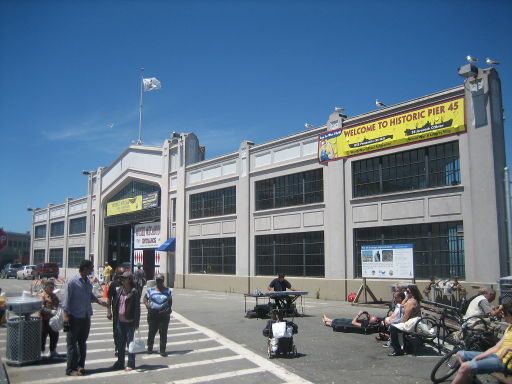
(445, 367)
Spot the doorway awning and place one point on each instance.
(168, 245)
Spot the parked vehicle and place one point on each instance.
(10, 270)
(25, 272)
(46, 270)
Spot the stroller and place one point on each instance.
(279, 334)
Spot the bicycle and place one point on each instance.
(473, 339)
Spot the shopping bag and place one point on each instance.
(279, 329)
(57, 321)
(137, 344)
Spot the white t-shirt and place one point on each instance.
(397, 315)
(479, 306)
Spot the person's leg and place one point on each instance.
(54, 339)
(121, 344)
(490, 364)
(152, 328)
(44, 334)
(82, 342)
(130, 330)
(163, 325)
(71, 346)
(395, 344)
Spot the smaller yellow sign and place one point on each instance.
(119, 207)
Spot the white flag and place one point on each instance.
(151, 84)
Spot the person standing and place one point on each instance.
(107, 270)
(126, 306)
(111, 293)
(77, 317)
(158, 301)
(49, 309)
(140, 279)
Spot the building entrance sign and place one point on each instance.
(146, 236)
(390, 261)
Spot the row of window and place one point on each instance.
(75, 256)
(76, 226)
(427, 167)
(438, 251)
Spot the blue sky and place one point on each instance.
(230, 70)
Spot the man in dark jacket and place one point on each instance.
(111, 293)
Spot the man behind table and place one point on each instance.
(77, 317)
(280, 284)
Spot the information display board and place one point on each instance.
(390, 261)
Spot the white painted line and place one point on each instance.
(114, 359)
(136, 371)
(218, 376)
(264, 363)
(143, 333)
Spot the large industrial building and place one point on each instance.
(426, 172)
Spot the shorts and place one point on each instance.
(491, 363)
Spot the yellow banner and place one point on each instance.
(420, 124)
(130, 204)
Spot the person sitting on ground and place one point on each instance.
(361, 320)
(481, 305)
(492, 360)
(412, 311)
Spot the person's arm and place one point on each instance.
(355, 323)
(271, 286)
(146, 301)
(490, 351)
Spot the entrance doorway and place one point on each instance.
(119, 245)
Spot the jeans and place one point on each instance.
(160, 323)
(491, 363)
(125, 332)
(393, 337)
(76, 342)
(45, 331)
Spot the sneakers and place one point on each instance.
(164, 354)
(387, 344)
(128, 369)
(150, 350)
(73, 373)
(53, 354)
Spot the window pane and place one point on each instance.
(290, 190)
(57, 229)
(213, 203)
(75, 256)
(216, 256)
(294, 254)
(40, 231)
(39, 256)
(56, 256)
(77, 225)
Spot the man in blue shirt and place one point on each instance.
(77, 317)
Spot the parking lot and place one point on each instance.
(210, 339)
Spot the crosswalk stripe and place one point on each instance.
(113, 359)
(218, 376)
(136, 371)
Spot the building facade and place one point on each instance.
(14, 247)
(241, 218)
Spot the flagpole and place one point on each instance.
(139, 142)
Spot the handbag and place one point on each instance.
(57, 321)
(137, 344)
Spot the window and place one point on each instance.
(294, 254)
(75, 256)
(57, 229)
(213, 203)
(56, 256)
(77, 225)
(428, 167)
(38, 256)
(173, 210)
(213, 256)
(285, 191)
(438, 247)
(40, 231)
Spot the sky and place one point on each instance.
(230, 71)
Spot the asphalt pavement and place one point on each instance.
(211, 340)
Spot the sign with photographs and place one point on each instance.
(390, 261)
